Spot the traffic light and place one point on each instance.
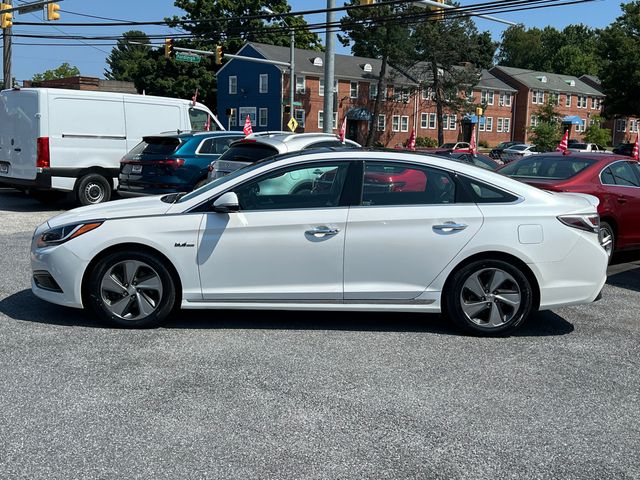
(52, 11)
(366, 2)
(218, 55)
(6, 19)
(168, 47)
(438, 12)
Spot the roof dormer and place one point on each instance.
(317, 61)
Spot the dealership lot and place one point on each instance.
(312, 395)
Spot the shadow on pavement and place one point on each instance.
(17, 201)
(25, 306)
(629, 279)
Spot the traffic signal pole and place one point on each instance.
(6, 55)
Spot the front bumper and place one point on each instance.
(65, 268)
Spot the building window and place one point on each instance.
(395, 123)
(482, 125)
(594, 103)
(264, 83)
(567, 103)
(300, 84)
(633, 126)
(621, 125)
(538, 97)
(233, 118)
(321, 120)
(534, 121)
(504, 100)
(263, 117)
(582, 126)
(373, 90)
(382, 123)
(486, 97)
(445, 122)
(424, 120)
(506, 125)
(353, 89)
(428, 94)
(233, 85)
(489, 122)
(452, 122)
(582, 101)
(499, 125)
(321, 88)
(555, 98)
(404, 124)
(432, 121)
(299, 116)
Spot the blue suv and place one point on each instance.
(170, 163)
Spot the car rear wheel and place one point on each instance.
(92, 189)
(131, 289)
(607, 238)
(488, 297)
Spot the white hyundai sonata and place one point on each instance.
(371, 231)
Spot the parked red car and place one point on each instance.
(614, 179)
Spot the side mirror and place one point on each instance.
(227, 202)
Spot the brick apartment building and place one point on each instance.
(577, 101)
(262, 90)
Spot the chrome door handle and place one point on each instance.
(447, 227)
(322, 231)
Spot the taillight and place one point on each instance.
(589, 222)
(172, 162)
(43, 156)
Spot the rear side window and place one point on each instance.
(216, 146)
(248, 152)
(482, 193)
(554, 168)
(390, 183)
(324, 143)
(155, 146)
(607, 177)
(624, 175)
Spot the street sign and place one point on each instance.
(186, 57)
(30, 8)
(293, 125)
(295, 104)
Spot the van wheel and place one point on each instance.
(93, 188)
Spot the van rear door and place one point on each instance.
(19, 129)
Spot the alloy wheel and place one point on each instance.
(606, 240)
(131, 290)
(490, 297)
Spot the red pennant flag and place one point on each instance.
(473, 143)
(343, 129)
(194, 99)
(563, 145)
(411, 144)
(207, 125)
(634, 153)
(247, 127)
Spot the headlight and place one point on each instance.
(63, 234)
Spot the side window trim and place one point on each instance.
(201, 146)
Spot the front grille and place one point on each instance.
(45, 281)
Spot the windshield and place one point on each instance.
(447, 145)
(581, 146)
(552, 168)
(519, 148)
(248, 152)
(155, 146)
(219, 181)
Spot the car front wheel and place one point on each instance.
(131, 289)
(488, 297)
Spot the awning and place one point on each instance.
(473, 119)
(359, 113)
(572, 120)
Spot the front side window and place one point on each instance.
(308, 186)
(199, 120)
(391, 183)
(624, 175)
(233, 85)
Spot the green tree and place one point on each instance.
(232, 31)
(596, 134)
(620, 74)
(442, 47)
(546, 135)
(125, 59)
(63, 71)
(388, 41)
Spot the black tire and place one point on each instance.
(458, 294)
(101, 301)
(92, 189)
(46, 197)
(607, 229)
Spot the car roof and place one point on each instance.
(284, 142)
(186, 134)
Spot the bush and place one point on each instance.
(427, 142)
(483, 144)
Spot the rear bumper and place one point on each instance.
(41, 182)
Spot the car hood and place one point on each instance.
(134, 207)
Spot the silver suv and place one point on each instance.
(261, 145)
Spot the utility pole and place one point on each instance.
(6, 54)
(292, 73)
(329, 58)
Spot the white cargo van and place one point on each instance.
(54, 140)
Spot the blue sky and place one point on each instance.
(28, 60)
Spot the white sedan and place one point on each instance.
(516, 152)
(378, 231)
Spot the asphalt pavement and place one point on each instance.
(302, 395)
